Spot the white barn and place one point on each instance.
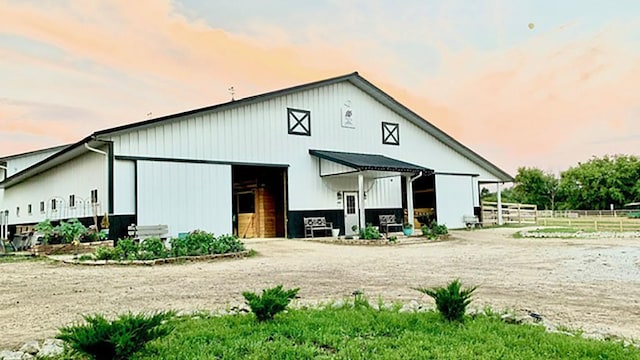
(340, 148)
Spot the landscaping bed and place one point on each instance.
(81, 248)
(169, 260)
(575, 233)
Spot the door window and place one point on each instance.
(351, 204)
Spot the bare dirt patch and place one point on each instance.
(592, 284)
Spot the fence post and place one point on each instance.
(621, 224)
(595, 224)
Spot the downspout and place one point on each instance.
(410, 211)
(106, 175)
(4, 226)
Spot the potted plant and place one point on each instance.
(407, 229)
(105, 225)
(354, 228)
(335, 232)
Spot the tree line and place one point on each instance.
(592, 185)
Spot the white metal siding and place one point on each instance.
(76, 177)
(184, 196)
(454, 199)
(20, 163)
(257, 133)
(124, 175)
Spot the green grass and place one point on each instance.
(14, 258)
(365, 333)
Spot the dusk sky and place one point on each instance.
(549, 97)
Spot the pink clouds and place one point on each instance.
(543, 103)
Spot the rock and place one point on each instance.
(509, 318)
(27, 356)
(32, 347)
(51, 347)
(11, 355)
(338, 304)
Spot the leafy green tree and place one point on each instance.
(600, 182)
(507, 195)
(534, 186)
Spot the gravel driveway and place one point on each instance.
(593, 284)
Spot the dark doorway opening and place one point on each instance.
(424, 198)
(259, 201)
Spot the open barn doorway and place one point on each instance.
(259, 201)
(424, 200)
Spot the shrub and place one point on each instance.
(271, 302)
(85, 257)
(434, 230)
(127, 249)
(451, 301)
(71, 230)
(153, 248)
(46, 229)
(226, 244)
(199, 242)
(370, 233)
(438, 230)
(106, 253)
(102, 339)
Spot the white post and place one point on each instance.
(361, 199)
(410, 211)
(499, 198)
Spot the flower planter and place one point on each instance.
(335, 232)
(407, 231)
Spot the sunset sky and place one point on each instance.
(549, 97)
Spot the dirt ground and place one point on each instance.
(589, 284)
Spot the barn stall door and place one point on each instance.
(184, 196)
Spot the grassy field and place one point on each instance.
(364, 333)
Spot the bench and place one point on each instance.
(142, 232)
(387, 221)
(471, 221)
(312, 224)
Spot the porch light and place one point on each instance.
(339, 196)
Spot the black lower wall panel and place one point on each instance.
(117, 225)
(295, 228)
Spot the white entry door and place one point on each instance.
(351, 211)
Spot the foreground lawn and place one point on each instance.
(365, 333)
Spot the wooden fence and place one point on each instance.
(512, 213)
(593, 223)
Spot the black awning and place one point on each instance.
(363, 162)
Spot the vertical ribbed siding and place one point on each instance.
(184, 196)
(257, 133)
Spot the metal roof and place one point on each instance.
(353, 78)
(363, 162)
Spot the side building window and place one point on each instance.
(42, 207)
(299, 122)
(94, 196)
(17, 211)
(29, 209)
(390, 133)
(72, 201)
(54, 204)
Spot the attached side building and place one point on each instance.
(340, 148)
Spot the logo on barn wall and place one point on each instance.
(348, 121)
